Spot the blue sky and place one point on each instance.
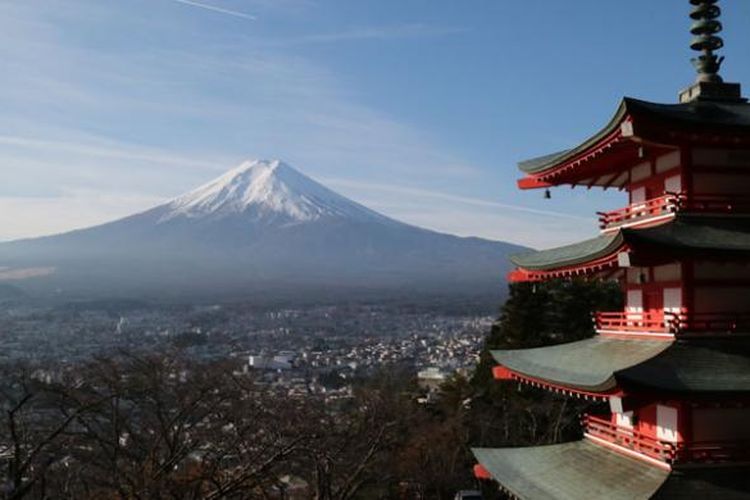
(417, 108)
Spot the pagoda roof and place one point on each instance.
(725, 483)
(587, 365)
(698, 365)
(696, 232)
(636, 122)
(570, 255)
(573, 471)
(722, 236)
(601, 364)
(583, 469)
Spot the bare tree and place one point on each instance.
(32, 435)
(172, 431)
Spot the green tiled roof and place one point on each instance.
(696, 232)
(542, 163)
(695, 366)
(712, 114)
(720, 235)
(539, 163)
(570, 254)
(587, 365)
(580, 470)
(583, 470)
(601, 363)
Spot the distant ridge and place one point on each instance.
(261, 229)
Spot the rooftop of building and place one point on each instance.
(602, 364)
(583, 469)
(716, 115)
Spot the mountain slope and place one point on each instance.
(261, 228)
(266, 190)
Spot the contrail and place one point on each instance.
(217, 9)
(449, 197)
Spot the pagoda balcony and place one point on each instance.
(627, 322)
(696, 452)
(672, 323)
(664, 207)
(628, 438)
(647, 211)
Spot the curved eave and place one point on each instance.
(587, 366)
(536, 166)
(569, 255)
(694, 235)
(576, 470)
(580, 258)
(599, 159)
(602, 366)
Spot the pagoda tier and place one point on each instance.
(601, 367)
(588, 469)
(688, 277)
(638, 133)
(686, 236)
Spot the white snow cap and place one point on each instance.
(265, 188)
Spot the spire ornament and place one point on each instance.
(705, 26)
(708, 85)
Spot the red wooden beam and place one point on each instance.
(532, 183)
(481, 473)
(499, 372)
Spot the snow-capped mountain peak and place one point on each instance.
(261, 231)
(265, 189)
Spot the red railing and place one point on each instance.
(662, 205)
(696, 452)
(660, 322)
(672, 203)
(628, 438)
(682, 323)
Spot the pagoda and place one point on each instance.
(674, 364)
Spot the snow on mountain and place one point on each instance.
(262, 228)
(266, 188)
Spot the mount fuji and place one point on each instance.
(264, 230)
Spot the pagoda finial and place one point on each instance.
(705, 26)
(708, 85)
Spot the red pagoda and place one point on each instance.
(674, 365)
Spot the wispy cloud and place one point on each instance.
(111, 150)
(94, 132)
(31, 217)
(437, 195)
(219, 10)
(393, 32)
(468, 216)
